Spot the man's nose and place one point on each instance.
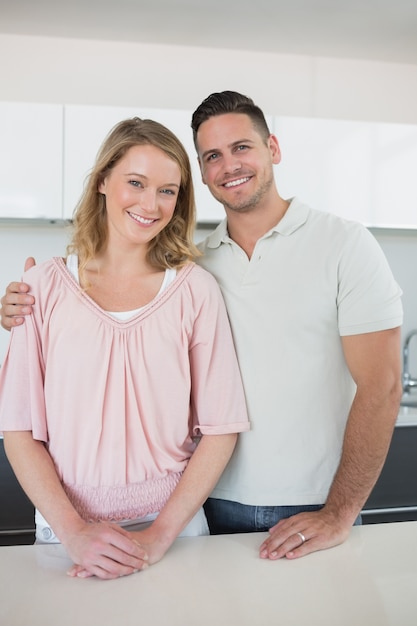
(233, 163)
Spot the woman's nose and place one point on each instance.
(148, 201)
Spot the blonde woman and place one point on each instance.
(121, 398)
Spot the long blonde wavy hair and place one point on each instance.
(173, 246)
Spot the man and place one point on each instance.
(316, 316)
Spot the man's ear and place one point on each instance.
(275, 149)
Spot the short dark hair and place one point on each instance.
(229, 102)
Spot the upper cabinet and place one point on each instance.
(31, 160)
(86, 128)
(359, 170)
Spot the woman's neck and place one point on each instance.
(121, 281)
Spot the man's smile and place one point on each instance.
(235, 183)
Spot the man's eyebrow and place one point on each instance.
(230, 145)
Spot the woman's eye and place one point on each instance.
(135, 183)
(169, 192)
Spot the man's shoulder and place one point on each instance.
(333, 224)
(196, 274)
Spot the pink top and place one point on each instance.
(118, 402)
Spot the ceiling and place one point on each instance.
(384, 30)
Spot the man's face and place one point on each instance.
(236, 162)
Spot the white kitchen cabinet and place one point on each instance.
(360, 170)
(31, 160)
(85, 129)
(327, 164)
(363, 171)
(395, 170)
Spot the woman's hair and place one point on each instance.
(229, 102)
(173, 246)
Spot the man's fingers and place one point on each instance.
(30, 262)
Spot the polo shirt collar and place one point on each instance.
(295, 217)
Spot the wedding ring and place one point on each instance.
(301, 537)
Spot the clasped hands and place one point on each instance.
(108, 551)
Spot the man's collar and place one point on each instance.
(218, 236)
(295, 216)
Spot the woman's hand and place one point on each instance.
(104, 550)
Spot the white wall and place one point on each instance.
(40, 69)
(112, 73)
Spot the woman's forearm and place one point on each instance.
(36, 473)
(100, 549)
(199, 479)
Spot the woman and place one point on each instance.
(127, 362)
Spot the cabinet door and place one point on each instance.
(394, 497)
(395, 189)
(327, 164)
(363, 171)
(17, 513)
(85, 129)
(30, 160)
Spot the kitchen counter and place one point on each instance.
(407, 416)
(369, 580)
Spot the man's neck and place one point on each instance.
(247, 228)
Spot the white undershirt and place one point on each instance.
(170, 274)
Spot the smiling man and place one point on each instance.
(315, 314)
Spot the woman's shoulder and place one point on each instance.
(197, 275)
(44, 272)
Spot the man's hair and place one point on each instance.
(229, 102)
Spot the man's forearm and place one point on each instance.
(366, 442)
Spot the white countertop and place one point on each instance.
(370, 580)
(407, 416)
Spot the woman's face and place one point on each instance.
(141, 194)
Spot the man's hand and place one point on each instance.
(104, 550)
(304, 533)
(16, 303)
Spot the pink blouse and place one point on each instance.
(119, 402)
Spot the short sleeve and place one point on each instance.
(22, 404)
(369, 298)
(218, 401)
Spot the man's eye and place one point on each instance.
(242, 147)
(212, 157)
